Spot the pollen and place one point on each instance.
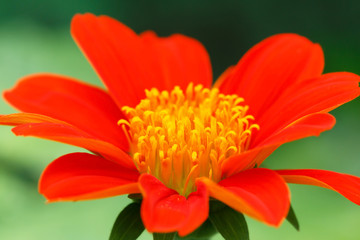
(179, 136)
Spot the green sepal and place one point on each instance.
(164, 236)
(291, 217)
(229, 223)
(128, 224)
(136, 197)
(204, 232)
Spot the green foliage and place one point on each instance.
(291, 217)
(204, 232)
(230, 223)
(164, 236)
(128, 225)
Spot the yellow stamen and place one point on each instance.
(178, 137)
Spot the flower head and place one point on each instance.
(161, 129)
(181, 136)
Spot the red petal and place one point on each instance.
(315, 95)
(87, 107)
(128, 63)
(311, 125)
(164, 210)
(270, 67)
(260, 193)
(83, 176)
(179, 61)
(346, 185)
(23, 118)
(70, 135)
(29, 124)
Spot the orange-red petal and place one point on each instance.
(86, 107)
(345, 184)
(70, 135)
(272, 65)
(24, 118)
(179, 60)
(128, 63)
(259, 193)
(83, 176)
(164, 210)
(311, 125)
(29, 124)
(280, 79)
(321, 94)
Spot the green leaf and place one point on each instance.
(230, 223)
(136, 197)
(204, 232)
(291, 217)
(128, 225)
(164, 236)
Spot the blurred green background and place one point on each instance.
(34, 37)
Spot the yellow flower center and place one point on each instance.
(178, 137)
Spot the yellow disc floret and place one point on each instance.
(178, 137)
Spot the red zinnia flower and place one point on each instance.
(182, 140)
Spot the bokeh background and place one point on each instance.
(34, 37)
